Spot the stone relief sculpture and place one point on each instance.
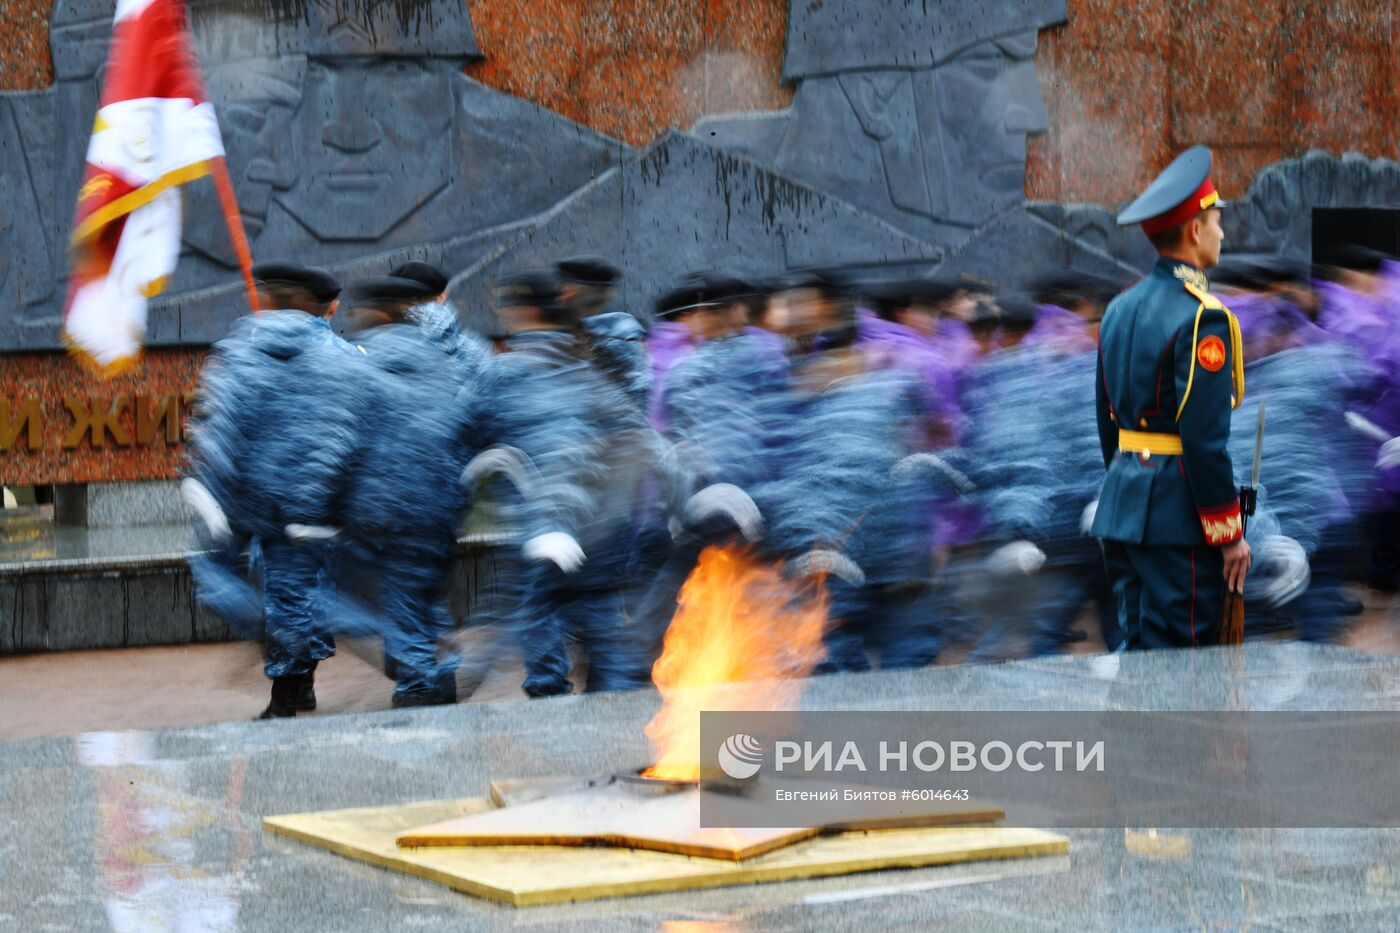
(1275, 215)
(355, 141)
(918, 112)
(909, 121)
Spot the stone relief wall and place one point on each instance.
(909, 135)
(1275, 216)
(353, 139)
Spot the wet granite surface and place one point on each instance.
(42, 547)
(130, 830)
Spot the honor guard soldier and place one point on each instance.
(1170, 372)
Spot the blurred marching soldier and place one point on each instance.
(565, 435)
(466, 350)
(616, 339)
(712, 409)
(273, 439)
(849, 511)
(1170, 372)
(679, 327)
(403, 501)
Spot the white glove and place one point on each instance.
(826, 561)
(511, 462)
(1086, 520)
(914, 462)
(725, 499)
(201, 501)
(558, 547)
(1389, 455)
(1017, 558)
(304, 534)
(1366, 426)
(1289, 572)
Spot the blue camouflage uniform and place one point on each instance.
(617, 342)
(1314, 467)
(833, 486)
(273, 442)
(1030, 451)
(588, 452)
(467, 352)
(1170, 372)
(718, 407)
(404, 501)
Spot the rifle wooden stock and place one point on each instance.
(1232, 624)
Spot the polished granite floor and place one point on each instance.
(141, 831)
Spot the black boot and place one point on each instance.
(443, 694)
(284, 694)
(304, 700)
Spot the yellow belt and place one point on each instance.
(1147, 443)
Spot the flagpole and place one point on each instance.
(229, 202)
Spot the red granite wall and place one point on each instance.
(632, 68)
(1130, 84)
(60, 424)
(1127, 84)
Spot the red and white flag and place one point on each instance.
(154, 131)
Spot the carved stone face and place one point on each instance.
(946, 143)
(373, 141)
(987, 102)
(256, 99)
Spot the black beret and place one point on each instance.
(833, 283)
(1355, 257)
(793, 281)
(587, 270)
(318, 282)
(922, 290)
(687, 296)
(1240, 270)
(721, 288)
(387, 288)
(1284, 269)
(1056, 285)
(532, 288)
(425, 272)
(1016, 311)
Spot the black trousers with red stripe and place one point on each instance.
(1168, 597)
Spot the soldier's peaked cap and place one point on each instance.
(319, 283)
(587, 270)
(1182, 191)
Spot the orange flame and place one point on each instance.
(742, 636)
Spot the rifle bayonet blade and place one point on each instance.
(1258, 447)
